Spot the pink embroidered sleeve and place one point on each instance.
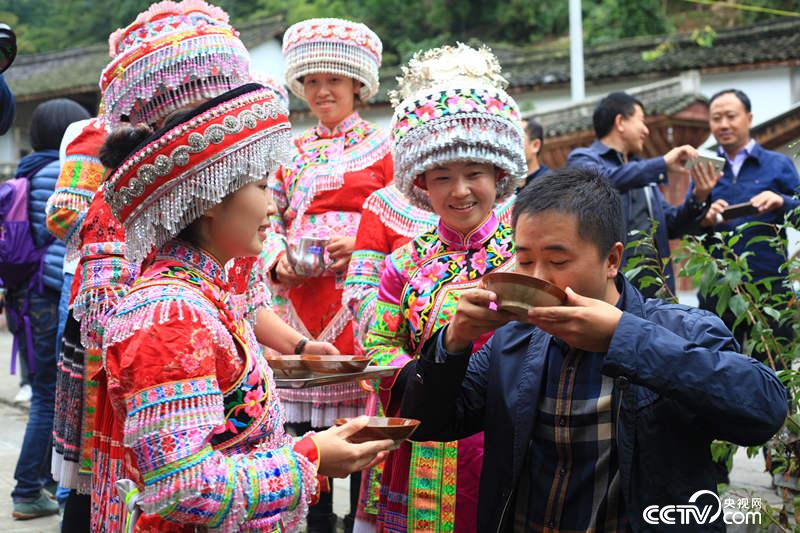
(387, 340)
(165, 371)
(364, 273)
(105, 274)
(275, 245)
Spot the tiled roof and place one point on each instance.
(559, 125)
(774, 42)
(528, 68)
(525, 68)
(77, 70)
(54, 73)
(665, 98)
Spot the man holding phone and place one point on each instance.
(756, 185)
(621, 131)
(766, 180)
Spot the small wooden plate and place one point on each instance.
(335, 364)
(380, 428)
(288, 366)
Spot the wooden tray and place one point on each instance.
(371, 372)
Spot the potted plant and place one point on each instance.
(718, 272)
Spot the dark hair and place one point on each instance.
(191, 233)
(608, 108)
(743, 98)
(580, 192)
(51, 119)
(534, 130)
(121, 143)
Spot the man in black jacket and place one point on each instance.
(597, 413)
(534, 141)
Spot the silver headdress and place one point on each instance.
(451, 106)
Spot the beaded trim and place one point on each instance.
(333, 46)
(171, 55)
(473, 124)
(399, 215)
(272, 84)
(176, 178)
(322, 157)
(451, 106)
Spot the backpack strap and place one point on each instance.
(24, 317)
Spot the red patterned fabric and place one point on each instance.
(320, 197)
(189, 410)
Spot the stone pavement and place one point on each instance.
(748, 476)
(12, 420)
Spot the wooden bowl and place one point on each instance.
(517, 293)
(380, 428)
(335, 364)
(288, 366)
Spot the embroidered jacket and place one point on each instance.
(430, 486)
(80, 177)
(196, 408)
(321, 194)
(103, 277)
(323, 159)
(388, 221)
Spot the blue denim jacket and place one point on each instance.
(673, 222)
(680, 383)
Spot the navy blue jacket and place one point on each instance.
(42, 169)
(673, 222)
(763, 170)
(679, 384)
(541, 171)
(42, 186)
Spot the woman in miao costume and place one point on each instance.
(458, 150)
(332, 64)
(186, 387)
(172, 55)
(388, 221)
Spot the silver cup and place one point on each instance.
(308, 257)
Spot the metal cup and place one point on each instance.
(308, 257)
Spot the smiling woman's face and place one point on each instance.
(331, 97)
(239, 224)
(462, 193)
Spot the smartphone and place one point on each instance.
(715, 161)
(739, 210)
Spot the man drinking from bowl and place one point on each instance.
(597, 409)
